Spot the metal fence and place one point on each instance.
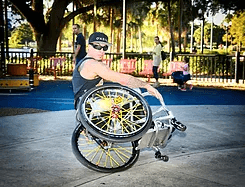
(216, 68)
(42, 62)
(221, 68)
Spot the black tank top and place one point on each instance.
(80, 84)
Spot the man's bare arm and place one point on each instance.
(127, 80)
(76, 52)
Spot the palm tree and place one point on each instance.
(137, 14)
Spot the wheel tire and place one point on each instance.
(115, 113)
(92, 152)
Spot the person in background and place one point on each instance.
(182, 77)
(186, 76)
(80, 44)
(156, 59)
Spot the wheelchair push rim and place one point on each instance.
(115, 113)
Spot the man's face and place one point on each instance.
(156, 40)
(97, 51)
(75, 29)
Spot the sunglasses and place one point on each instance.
(99, 47)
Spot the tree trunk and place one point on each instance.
(185, 39)
(111, 26)
(47, 30)
(85, 32)
(169, 44)
(113, 40)
(48, 40)
(171, 27)
(140, 39)
(60, 42)
(180, 24)
(54, 26)
(135, 40)
(46, 34)
(131, 39)
(119, 30)
(95, 15)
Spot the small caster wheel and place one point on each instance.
(158, 155)
(178, 125)
(181, 127)
(164, 158)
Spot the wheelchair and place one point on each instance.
(114, 123)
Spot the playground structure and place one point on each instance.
(20, 76)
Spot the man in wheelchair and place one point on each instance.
(90, 71)
(113, 120)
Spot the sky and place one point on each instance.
(218, 18)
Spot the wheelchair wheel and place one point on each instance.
(101, 155)
(115, 113)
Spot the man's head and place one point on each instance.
(76, 29)
(156, 39)
(99, 38)
(98, 44)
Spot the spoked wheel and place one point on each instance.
(115, 113)
(101, 155)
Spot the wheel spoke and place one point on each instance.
(115, 113)
(103, 154)
(104, 118)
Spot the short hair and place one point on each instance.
(157, 37)
(78, 26)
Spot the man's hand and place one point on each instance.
(74, 59)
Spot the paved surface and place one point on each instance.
(35, 150)
(50, 95)
(58, 96)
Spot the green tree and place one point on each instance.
(218, 32)
(173, 16)
(164, 15)
(237, 29)
(48, 26)
(137, 14)
(21, 35)
(228, 4)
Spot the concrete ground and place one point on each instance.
(35, 150)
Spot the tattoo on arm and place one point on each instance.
(135, 83)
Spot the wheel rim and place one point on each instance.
(104, 155)
(116, 112)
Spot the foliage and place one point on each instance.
(226, 5)
(218, 32)
(138, 12)
(48, 25)
(21, 35)
(237, 28)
